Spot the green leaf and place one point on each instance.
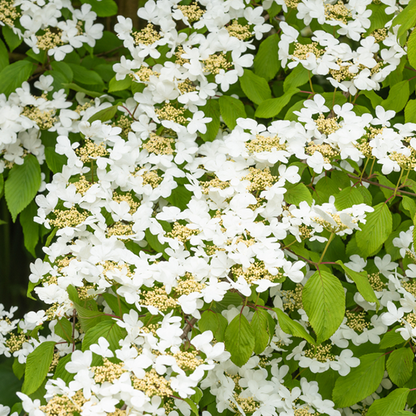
(239, 340)
(103, 8)
(54, 160)
(379, 17)
(121, 85)
(360, 382)
(85, 76)
(409, 205)
(375, 231)
(64, 69)
(396, 400)
(22, 185)
(31, 229)
(272, 107)
(260, 327)
(406, 19)
(231, 109)
(180, 197)
(256, 88)
(347, 198)
(410, 112)
(117, 304)
(297, 77)
(391, 339)
(12, 76)
(18, 369)
(297, 193)
(76, 87)
(266, 61)
(373, 97)
(363, 285)
(105, 114)
(154, 242)
(88, 318)
(4, 56)
(292, 327)
(400, 365)
(230, 298)
(215, 322)
(63, 328)
(107, 329)
(324, 302)
(211, 109)
(398, 97)
(37, 366)
(193, 406)
(12, 40)
(9, 382)
(60, 371)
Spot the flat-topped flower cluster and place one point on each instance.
(204, 260)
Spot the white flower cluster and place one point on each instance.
(156, 228)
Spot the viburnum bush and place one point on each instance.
(226, 204)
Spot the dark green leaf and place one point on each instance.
(54, 160)
(76, 87)
(297, 77)
(398, 97)
(105, 114)
(266, 61)
(272, 107)
(211, 109)
(12, 40)
(215, 322)
(297, 193)
(31, 229)
(123, 84)
(260, 328)
(103, 8)
(63, 328)
(107, 329)
(4, 56)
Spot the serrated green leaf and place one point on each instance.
(121, 85)
(400, 365)
(391, 339)
(215, 322)
(231, 109)
(324, 302)
(324, 189)
(360, 382)
(375, 231)
(37, 366)
(406, 19)
(266, 61)
(12, 76)
(239, 340)
(396, 400)
(292, 327)
(260, 328)
(347, 198)
(31, 229)
(211, 109)
(363, 285)
(22, 185)
(256, 88)
(107, 329)
(272, 107)
(297, 193)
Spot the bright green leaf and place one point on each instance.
(347, 198)
(231, 109)
(76, 87)
(215, 322)
(211, 109)
(406, 19)
(22, 185)
(107, 329)
(123, 84)
(31, 229)
(259, 326)
(272, 107)
(400, 365)
(324, 302)
(363, 285)
(396, 400)
(292, 327)
(105, 114)
(297, 193)
(103, 8)
(375, 231)
(239, 340)
(266, 61)
(37, 366)
(360, 382)
(256, 88)
(297, 77)
(398, 97)
(63, 328)
(410, 112)
(391, 339)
